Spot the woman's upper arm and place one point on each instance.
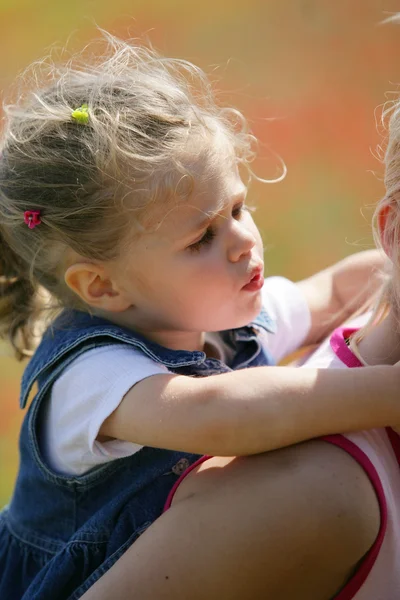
(290, 524)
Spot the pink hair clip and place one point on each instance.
(32, 218)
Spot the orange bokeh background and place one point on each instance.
(308, 75)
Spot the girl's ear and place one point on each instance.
(92, 284)
(383, 220)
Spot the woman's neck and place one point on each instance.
(381, 345)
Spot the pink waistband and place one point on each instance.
(177, 483)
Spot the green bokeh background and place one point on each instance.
(308, 74)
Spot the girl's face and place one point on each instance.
(200, 270)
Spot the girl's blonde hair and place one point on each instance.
(145, 115)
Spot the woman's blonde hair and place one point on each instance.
(145, 115)
(386, 220)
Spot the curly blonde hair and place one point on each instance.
(144, 114)
(387, 236)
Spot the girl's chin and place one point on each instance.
(246, 319)
(240, 316)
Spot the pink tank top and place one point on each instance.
(378, 453)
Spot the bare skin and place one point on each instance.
(290, 524)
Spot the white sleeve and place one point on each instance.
(84, 395)
(286, 304)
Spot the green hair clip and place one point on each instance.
(81, 114)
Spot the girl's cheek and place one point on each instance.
(251, 226)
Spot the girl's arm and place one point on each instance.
(290, 524)
(335, 293)
(254, 410)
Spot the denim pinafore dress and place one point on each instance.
(59, 534)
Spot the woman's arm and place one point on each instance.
(254, 410)
(291, 524)
(335, 293)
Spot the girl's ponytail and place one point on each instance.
(17, 301)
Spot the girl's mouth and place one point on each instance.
(256, 282)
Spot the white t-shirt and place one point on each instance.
(94, 384)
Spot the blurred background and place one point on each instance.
(309, 76)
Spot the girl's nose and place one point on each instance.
(241, 242)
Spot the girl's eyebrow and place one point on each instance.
(195, 228)
(203, 223)
(209, 216)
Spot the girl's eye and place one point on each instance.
(207, 238)
(210, 233)
(238, 210)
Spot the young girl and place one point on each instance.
(314, 521)
(121, 196)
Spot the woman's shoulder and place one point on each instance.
(310, 510)
(332, 490)
(334, 516)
